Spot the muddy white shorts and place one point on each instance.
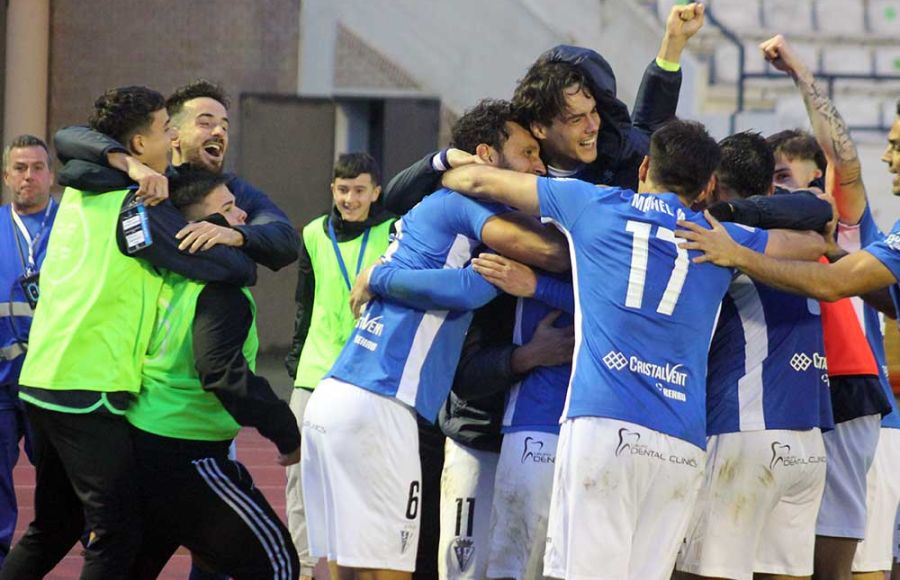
(622, 498)
(758, 505)
(361, 478)
(467, 487)
(521, 504)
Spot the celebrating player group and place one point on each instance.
(594, 344)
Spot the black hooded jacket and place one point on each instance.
(623, 139)
(621, 145)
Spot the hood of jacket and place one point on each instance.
(616, 121)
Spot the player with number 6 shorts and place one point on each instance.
(360, 466)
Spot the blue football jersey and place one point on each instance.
(887, 251)
(536, 402)
(853, 238)
(767, 365)
(644, 312)
(407, 353)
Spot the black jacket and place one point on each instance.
(621, 144)
(270, 239)
(473, 412)
(623, 140)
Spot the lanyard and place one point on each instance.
(31, 265)
(340, 258)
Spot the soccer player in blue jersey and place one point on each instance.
(361, 474)
(875, 267)
(630, 456)
(522, 488)
(872, 514)
(767, 401)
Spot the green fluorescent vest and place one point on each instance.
(172, 402)
(332, 322)
(93, 322)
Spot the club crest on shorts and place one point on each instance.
(464, 549)
(404, 540)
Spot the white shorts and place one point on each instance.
(757, 509)
(293, 491)
(850, 449)
(882, 498)
(622, 498)
(521, 505)
(467, 487)
(361, 478)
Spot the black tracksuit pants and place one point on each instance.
(194, 496)
(85, 477)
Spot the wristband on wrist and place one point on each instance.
(440, 162)
(668, 65)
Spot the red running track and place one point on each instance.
(256, 453)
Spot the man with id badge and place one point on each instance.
(335, 248)
(99, 286)
(25, 225)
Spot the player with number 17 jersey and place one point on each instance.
(635, 413)
(644, 313)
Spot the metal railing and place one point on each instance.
(830, 78)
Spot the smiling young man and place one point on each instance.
(200, 124)
(335, 248)
(569, 98)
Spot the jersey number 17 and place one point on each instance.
(640, 254)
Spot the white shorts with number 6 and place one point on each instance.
(361, 478)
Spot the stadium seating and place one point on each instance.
(834, 37)
(840, 17)
(790, 16)
(884, 17)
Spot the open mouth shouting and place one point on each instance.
(214, 151)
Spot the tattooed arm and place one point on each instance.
(829, 128)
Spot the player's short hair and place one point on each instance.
(796, 144)
(747, 164)
(541, 95)
(195, 90)
(122, 112)
(191, 184)
(351, 165)
(21, 142)
(683, 157)
(483, 123)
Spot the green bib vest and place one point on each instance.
(332, 322)
(93, 322)
(172, 402)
